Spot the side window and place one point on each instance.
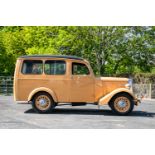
(80, 69)
(32, 67)
(55, 67)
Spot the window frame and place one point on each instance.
(32, 73)
(56, 74)
(80, 74)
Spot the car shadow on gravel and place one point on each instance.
(69, 111)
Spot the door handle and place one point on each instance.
(78, 77)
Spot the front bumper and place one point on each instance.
(137, 101)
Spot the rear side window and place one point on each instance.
(55, 67)
(32, 67)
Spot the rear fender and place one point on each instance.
(42, 89)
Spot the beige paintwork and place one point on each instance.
(105, 99)
(68, 87)
(45, 90)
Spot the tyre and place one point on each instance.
(122, 104)
(43, 103)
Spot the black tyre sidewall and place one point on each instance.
(52, 105)
(111, 104)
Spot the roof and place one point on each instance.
(52, 56)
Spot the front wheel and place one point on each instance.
(43, 102)
(122, 104)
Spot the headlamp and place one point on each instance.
(129, 84)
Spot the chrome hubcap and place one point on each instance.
(42, 102)
(122, 103)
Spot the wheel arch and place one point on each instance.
(42, 89)
(123, 92)
(107, 98)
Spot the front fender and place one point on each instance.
(53, 95)
(105, 99)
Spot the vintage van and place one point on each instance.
(46, 81)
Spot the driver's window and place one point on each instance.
(80, 69)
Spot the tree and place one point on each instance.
(110, 49)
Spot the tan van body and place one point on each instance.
(67, 88)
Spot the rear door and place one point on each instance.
(56, 75)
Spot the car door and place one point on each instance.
(57, 79)
(82, 83)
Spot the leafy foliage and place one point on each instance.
(109, 49)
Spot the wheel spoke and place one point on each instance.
(42, 102)
(122, 104)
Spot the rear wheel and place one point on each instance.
(43, 102)
(122, 104)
